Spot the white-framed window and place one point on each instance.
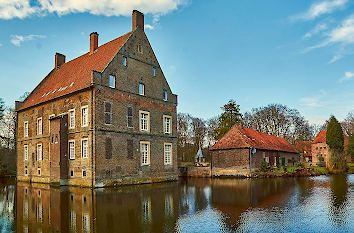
(144, 121)
(145, 153)
(84, 148)
(72, 119)
(107, 113)
(72, 149)
(168, 153)
(167, 124)
(112, 81)
(140, 48)
(141, 89)
(153, 71)
(39, 171)
(39, 152)
(71, 173)
(164, 95)
(39, 126)
(84, 116)
(84, 173)
(125, 61)
(25, 152)
(25, 129)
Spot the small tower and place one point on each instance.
(199, 157)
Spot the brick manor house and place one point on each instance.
(105, 118)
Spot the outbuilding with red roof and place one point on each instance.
(242, 150)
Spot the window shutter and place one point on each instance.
(130, 151)
(108, 148)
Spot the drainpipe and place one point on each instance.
(250, 155)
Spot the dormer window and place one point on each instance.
(140, 48)
(112, 81)
(153, 71)
(125, 63)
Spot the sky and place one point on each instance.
(297, 53)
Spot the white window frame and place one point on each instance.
(39, 155)
(83, 122)
(71, 118)
(25, 152)
(125, 61)
(165, 129)
(114, 81)
(154, 71)
(25, 129)
(145, 158)
(71, 155)
(169, 160)
(39, 126)
(142, 92)
(83, 155)
(147, 121)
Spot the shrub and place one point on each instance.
(264, 166)
(320, 158)
(300, 165)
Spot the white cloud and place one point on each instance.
(319, 28)
(314, 101)
(343, 35)
(335, 58)
(321, 8)
(148, 26)
(347, 76)
(16, 9)
(23, 8)
(18, 39)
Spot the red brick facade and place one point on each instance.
(86, 137)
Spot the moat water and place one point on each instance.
(311, 204)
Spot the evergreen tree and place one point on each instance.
(334, 135)
(230, 116)
(335, 141)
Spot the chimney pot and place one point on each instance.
(93, 41)
(138, 19)
(59, 60)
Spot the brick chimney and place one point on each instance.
(138, 19)
(93, 41)
(59, 60)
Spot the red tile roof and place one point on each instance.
(321, 138)
(239, 137)
(303, 147)
(75, 74)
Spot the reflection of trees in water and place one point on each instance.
(339, 205)
(7, 199)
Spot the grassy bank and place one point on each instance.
(292, 171)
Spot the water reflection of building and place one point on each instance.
(44, 209)
(234, 196)
(129, 209)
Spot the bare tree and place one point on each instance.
(280, 121)
(348, 124)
